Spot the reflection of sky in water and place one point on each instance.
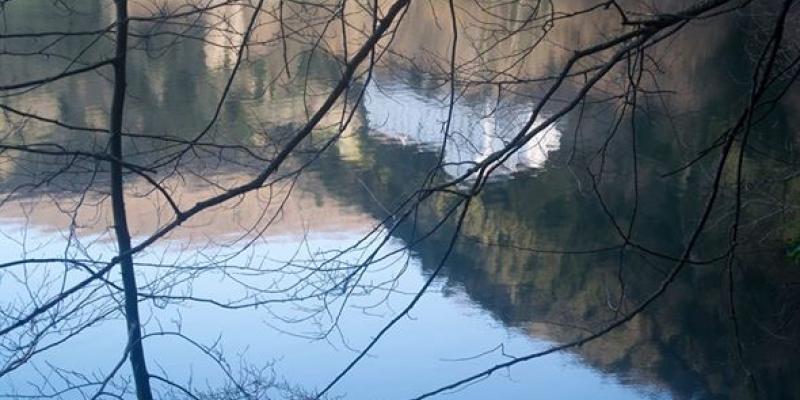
(417, 355)
(409, 360)
(476, 131)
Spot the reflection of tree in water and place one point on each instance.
(685, 343)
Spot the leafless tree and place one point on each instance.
(486, 50)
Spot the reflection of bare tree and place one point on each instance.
(291, 80)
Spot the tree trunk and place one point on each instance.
(135, 347)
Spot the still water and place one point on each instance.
(538, 262)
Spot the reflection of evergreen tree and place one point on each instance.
(683, 343)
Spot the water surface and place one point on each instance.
(538, 262)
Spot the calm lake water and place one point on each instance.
(539, 262)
